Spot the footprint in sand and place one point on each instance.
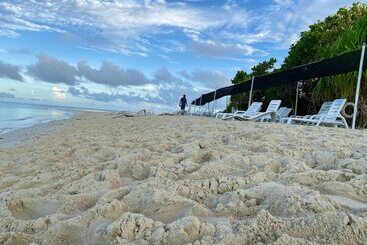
(349, 203)
(28, 209)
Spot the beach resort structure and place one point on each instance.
(355, 61)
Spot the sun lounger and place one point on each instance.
(254, 108)
(323, 110)
(331, 117)
(270, 111)
(283, 114)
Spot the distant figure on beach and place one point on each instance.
(183, 102)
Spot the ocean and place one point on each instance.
(17, 115)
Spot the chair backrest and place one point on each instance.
(281, 110)
(273, 105)
(254, 108)
(284, 112)
(325, 108)
(336, 108)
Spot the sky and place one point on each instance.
(135, 54)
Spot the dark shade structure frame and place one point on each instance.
(344, 63)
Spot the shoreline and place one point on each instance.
(22, 136)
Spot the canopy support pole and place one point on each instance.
(214, 102)
(358, 86)
(250, 96)
(227, 101)
(201, 99)
(297, 94)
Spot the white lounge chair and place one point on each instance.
(283, 114)
(270, 111)
(221, 115)
(323, 110)
(254, 108)
(201, 111)
(329, 118)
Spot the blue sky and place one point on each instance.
(135, 54)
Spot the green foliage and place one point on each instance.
(345, 85)
(240, 101)
(241, 77)
(263, 68)
(342, 32)
(320, 35)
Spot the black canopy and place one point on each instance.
(341, 64)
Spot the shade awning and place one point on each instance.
(344, 63)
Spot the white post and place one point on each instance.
(201, 99)
(208, 107)
(358, 86)
(250, 96)
(297, 94)
(214, 102)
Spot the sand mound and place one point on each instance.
(182, 180)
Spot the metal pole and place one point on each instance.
(214, 102)
(358, 86)
(296, 106)
(250, 96)
(201, 99)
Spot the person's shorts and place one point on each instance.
(182, 108)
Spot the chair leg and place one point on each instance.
(345, 123)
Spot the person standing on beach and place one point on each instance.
(183, 102)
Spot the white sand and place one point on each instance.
(182, 180)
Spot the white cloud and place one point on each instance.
(133, 27)
(219, 50)
(57, 93)
(208, 79)
(285, 19)
(120, 26)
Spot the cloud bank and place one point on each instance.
(118, 83)
(52, 70)
(10, 71)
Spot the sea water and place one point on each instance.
(19, 115)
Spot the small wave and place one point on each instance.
(5, 130)
(24, 118)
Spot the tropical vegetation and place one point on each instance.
(342, 32)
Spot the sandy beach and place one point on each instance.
(93, 179)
